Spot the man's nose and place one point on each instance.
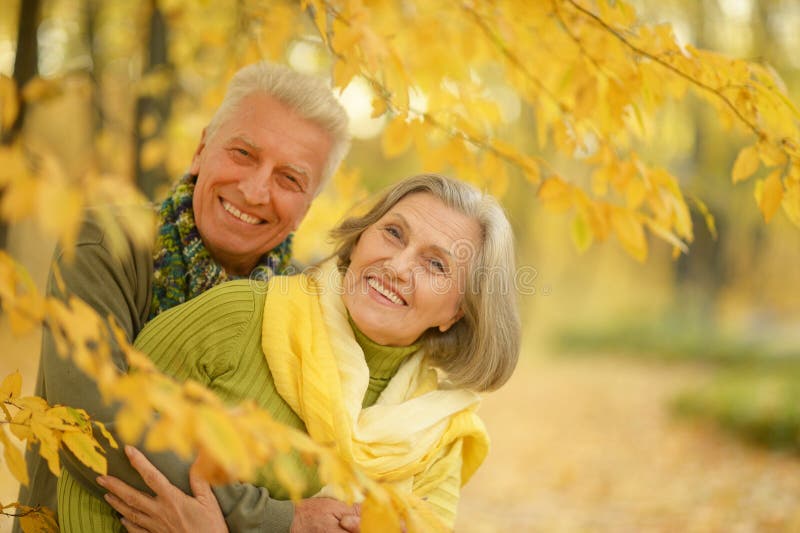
(256, 187)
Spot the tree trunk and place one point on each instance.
(26, 65)
(152, 107)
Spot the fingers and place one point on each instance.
(132, 519)
(351, 523)
(132, 528)
(151, 475)
(127, 494)
(200, 487)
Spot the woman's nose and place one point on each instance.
(402, 264)
(256, 187)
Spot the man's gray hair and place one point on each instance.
(307, 95)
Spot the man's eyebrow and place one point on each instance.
(440, 249)
(299, 170)
(245, 140)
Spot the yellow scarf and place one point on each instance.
(320, 370)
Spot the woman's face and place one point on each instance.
(408, 271)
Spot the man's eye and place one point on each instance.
(291, 182)
(241, 152)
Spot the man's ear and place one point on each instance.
(195, 168)
(447, 325)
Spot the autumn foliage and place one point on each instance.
(589, 72)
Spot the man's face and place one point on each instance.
(257, 174)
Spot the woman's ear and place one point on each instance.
(447, 325)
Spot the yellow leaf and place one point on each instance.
(634, 193)
(131, 420)
(771, 195)
(39, 520)
(628, 229)
(60, 212)
(221, 441)
(494, 172)
(148, 125)
(14, 460)
(20, 425)
(65, 418)
(289, 476)
(771, 156)
(154, 83)
(11, 386)
(556, 194)
(48, 445)
(378, 107)
(39, 89)
(581, 232)
(791, 202)
(19, 199)
(9, 102)
(600, 180)
(531, 168)
(86, 450)
(396, 138)
(13, 165)
(153, 154)
(344, 72)
(379, 515)
(746, 164)
(599, 218)
(709, 218)
(667, 235)
(107, 434)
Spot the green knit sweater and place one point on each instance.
(215, 339)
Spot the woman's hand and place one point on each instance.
(170, 510)
(325, 515)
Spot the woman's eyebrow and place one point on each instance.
(440, 249)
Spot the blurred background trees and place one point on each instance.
(124, 89)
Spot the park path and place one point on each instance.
(588, 445)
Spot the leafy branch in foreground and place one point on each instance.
(187, 418)
(594, 77)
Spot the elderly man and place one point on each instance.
(275, 139)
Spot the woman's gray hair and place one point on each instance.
(307, 95)
(479, 351)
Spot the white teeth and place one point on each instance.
(244, 217)
(394, 298)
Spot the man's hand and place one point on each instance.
(324, 515)
(171, 511)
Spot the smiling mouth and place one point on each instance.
(386, 292)
(244, 217)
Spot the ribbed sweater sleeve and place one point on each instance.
(215, 340)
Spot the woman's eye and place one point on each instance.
(394, 232)
(437, 265)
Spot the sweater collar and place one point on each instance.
(382, 361)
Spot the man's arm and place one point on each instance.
(114, 285)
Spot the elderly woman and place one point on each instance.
(422, 282)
